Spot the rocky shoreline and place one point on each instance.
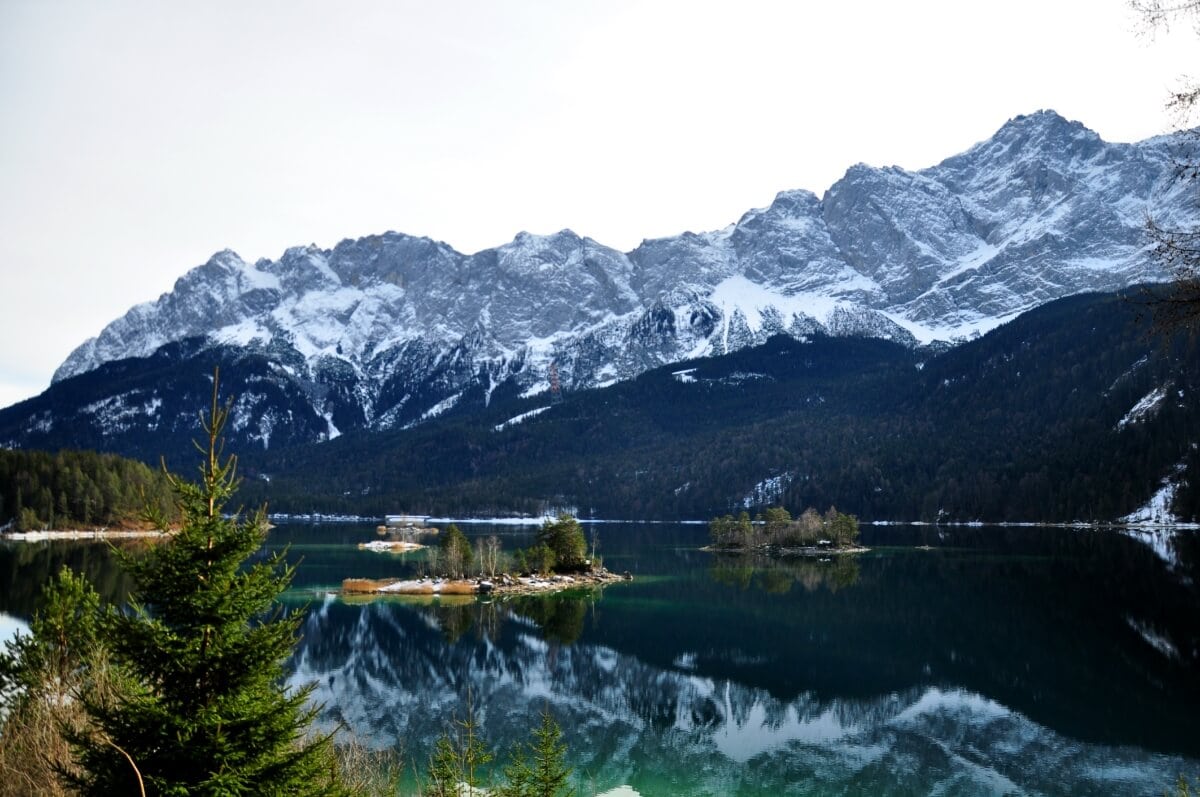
(503, 584)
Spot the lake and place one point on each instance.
(947, 660)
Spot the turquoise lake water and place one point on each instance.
(950, 661)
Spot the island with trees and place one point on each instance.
(559, 559)
(776, 532)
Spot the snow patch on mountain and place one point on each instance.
(768, 491)
(1157, 511)
(516, 419)
(1145, 408)
(116, 413)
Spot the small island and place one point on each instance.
(775, 532)
(390, 546)
(558, 560)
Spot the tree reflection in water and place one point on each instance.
(777, 576)
(559, 618)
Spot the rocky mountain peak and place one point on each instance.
(1042, 209)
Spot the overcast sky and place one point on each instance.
(137, 138)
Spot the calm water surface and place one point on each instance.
(951, 661)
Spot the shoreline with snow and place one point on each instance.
(81, 534)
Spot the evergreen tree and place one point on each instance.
(541, 770)
(63, 638)
(776, 521)
(456, 550)
(204, 645)
(42, 674)
(457, 761)
(565, 538)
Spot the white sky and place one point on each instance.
(137, 138)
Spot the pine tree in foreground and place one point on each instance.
(541, 769)
(204, 645)
(41, 673)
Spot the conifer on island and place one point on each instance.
(204, 644)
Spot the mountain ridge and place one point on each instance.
(384, 329)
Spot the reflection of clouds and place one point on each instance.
(392, 678)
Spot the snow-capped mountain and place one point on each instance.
(392, 329)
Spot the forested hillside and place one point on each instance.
(77, 490)
(1036, 421)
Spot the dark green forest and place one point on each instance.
(77, 490)
(1021, 424)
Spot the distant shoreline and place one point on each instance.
(315, 518)
(780, 550)
(82, 534)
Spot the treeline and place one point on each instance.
(560, 547)
(77, 489)
(775, 527)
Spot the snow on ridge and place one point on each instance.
(971, 326)
(536, 389)
(516, 419)
(242, 333)
(254, 278)
(739, 293)
(1146, 406)
(436, 410)
(441, 406)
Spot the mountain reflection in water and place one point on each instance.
(946, 660)
(961, 661)
(388, 671)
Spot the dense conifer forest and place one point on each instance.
(1031, 422)
(1028, 423)
(77, 490)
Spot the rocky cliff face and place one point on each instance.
(392, 329)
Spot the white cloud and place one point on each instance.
(142, 137)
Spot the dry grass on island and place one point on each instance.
(558, 560)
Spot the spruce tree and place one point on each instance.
(540, 769)
(204, 645)
(564, 537)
